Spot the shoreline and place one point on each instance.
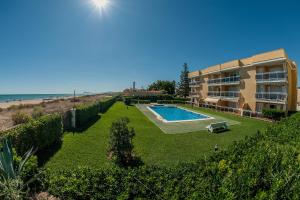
(5, 105)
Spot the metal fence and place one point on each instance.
(225, 80)
(229, 94)
(271, 76)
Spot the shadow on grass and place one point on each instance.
(87, 125)
(45, 154)
(134, 163)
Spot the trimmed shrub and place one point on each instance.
(38, 134)
(136, 101)
(171, 102)
(119, 98)
(113, 183)
(273, 114)
(154, 98)
(66, 120)
(181, 99)
(144, 101)
(85, 113)
(20, 118)
(127, 100)
(120, 148)
(105, 105)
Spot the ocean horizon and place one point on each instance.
(21, 97)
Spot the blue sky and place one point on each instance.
(54, 46)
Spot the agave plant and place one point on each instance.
(11, 184)
(7, 169)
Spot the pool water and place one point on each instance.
(176, 114)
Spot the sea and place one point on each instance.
(20, 97)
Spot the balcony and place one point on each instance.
(224, 94)
(271, 96)
(271, 77)
(194, 94)
(195, 83)
(230, 80)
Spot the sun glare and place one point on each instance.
(100, 5)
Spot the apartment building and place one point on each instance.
(267, 80)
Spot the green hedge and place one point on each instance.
(87, 112)
(273, 114)
(135, 101)
(40, 133)
(264, 166)
(171, 102)
(105, 105)
(127, 100)
(154, 98)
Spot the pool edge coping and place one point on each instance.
(159, 117)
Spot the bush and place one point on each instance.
(120, 148)
(112, 183)
(273, 114)
(136, 101)
(171, 102)
(12, 107)
(127, 101)
(154, 98)
(20, 118)
(39, 133)
(30, 168)
(37, 112)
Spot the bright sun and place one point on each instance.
(100, 4)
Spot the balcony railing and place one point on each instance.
(224, 94)
(194, 94)
(271, 96)
(226, 80)
(270, 77)
(194, 83)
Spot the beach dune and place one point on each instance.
(5, 105)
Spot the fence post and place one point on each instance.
(73, 118)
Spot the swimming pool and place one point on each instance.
(176, 114)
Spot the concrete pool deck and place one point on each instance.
(185, 126)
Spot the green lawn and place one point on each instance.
(151, 144)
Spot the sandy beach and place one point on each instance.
(5, 105)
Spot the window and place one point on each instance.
(272, 106)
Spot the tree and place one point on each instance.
(168, 86)
(120, 148)
(183, 86)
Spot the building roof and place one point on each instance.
(255, 59)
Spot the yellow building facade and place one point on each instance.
(248, 85)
